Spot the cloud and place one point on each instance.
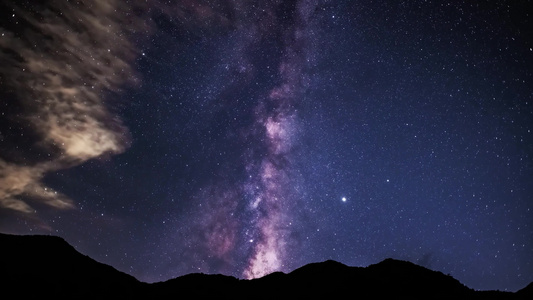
(18, 180)
(60, 62)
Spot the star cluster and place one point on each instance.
(245, 138)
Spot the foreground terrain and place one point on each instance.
(47, 266)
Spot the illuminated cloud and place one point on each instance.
(60, 69)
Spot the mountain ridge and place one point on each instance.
(37, 265)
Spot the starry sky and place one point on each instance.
(247, 137)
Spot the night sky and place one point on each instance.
(247, 137)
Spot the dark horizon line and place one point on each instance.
(389, 259)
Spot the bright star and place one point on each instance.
(343, 199)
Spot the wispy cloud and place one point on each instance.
(61, 61)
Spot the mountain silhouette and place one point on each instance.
(35, 266)
(47, 266)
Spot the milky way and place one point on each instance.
(269, 191)
(247, 137)
(274, 187)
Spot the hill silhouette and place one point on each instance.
(35, 266)
(47, 266)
